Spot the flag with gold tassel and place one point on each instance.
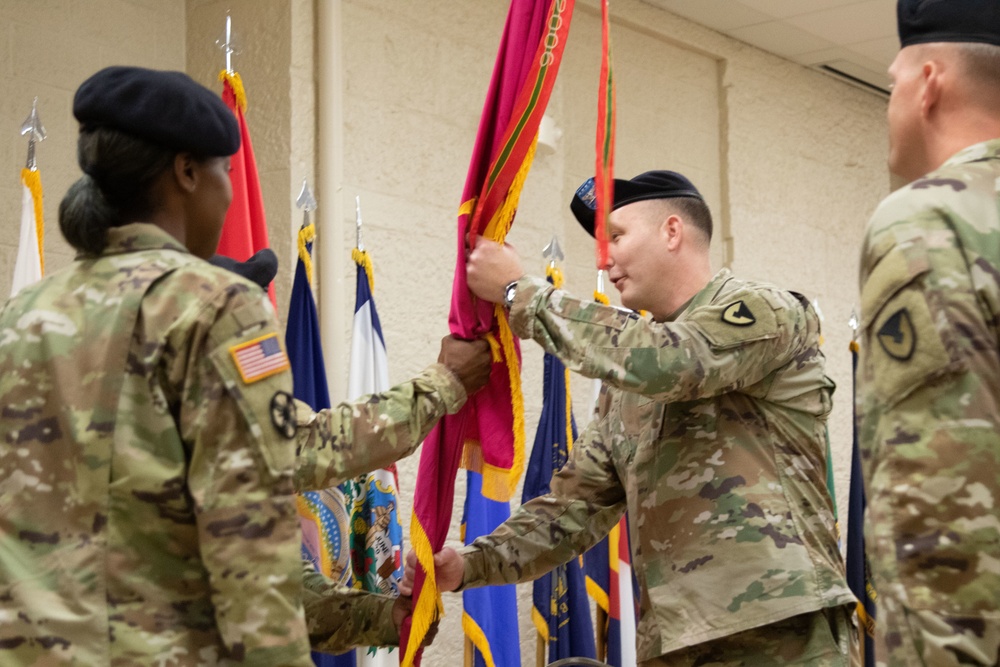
(376, 535)
(29, 267)
(491, 425)
(324, 514)
(561, 610)
(245, 229)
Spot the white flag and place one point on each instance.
(28, 267)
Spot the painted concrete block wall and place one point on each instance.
(47, 49)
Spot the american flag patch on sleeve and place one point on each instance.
(259, 358)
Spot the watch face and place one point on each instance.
(508, 296)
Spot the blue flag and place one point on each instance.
(858, 572)
(323, 514)
(490, 617)
(561, 610)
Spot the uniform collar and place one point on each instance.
(138, 236)
(986, 150)
(705, 295)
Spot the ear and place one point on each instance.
(673, 231)
(932, 80)
(185, 173)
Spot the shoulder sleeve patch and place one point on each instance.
(747, 318)
(259, 358)
(738, 314)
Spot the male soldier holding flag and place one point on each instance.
(929, 384)
(710, 433)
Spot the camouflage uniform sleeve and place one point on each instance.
(240, 477)
(714, 349)
(340, 618)
(587, 499)
(928, 411)
(374, 431)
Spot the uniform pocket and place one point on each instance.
(905, 334)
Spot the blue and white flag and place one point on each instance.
(377, 537)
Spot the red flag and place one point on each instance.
(491, 425)
(245, 230)
(604, 184)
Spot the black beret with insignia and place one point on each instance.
(648, 185)
(924, 21)
(169, 109)
(260, 268)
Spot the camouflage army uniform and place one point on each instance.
(711, 432)
(929, 413)
(147, 514)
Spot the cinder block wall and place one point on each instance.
(47, 49)
(791, 161)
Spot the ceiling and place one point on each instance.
(852, 39)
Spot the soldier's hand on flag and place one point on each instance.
(469, 360)
(403, 607)
(490, 267)
(449, 568)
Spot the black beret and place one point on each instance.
(168, 109)
(649, 185)
(260, 268)
(923, 21)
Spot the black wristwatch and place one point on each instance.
(509, 292)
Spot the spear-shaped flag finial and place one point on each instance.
(553, 252)
(359, 244)
(32, 127)
(306, 202)
(228, 44)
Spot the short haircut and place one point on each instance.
(692, 210)
(981, 64)
(695, 211)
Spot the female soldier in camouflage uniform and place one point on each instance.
(148, 435)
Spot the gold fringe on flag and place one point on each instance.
(569, 414)
(362, 258)
(426, 608)
(478, 638)
(602, 298)
(32, 180)
(306, 236)
(236, 83)
(555, 274)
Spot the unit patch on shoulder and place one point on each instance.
(897, 336)
(283, 413)
(259, 358)
(738, 315)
